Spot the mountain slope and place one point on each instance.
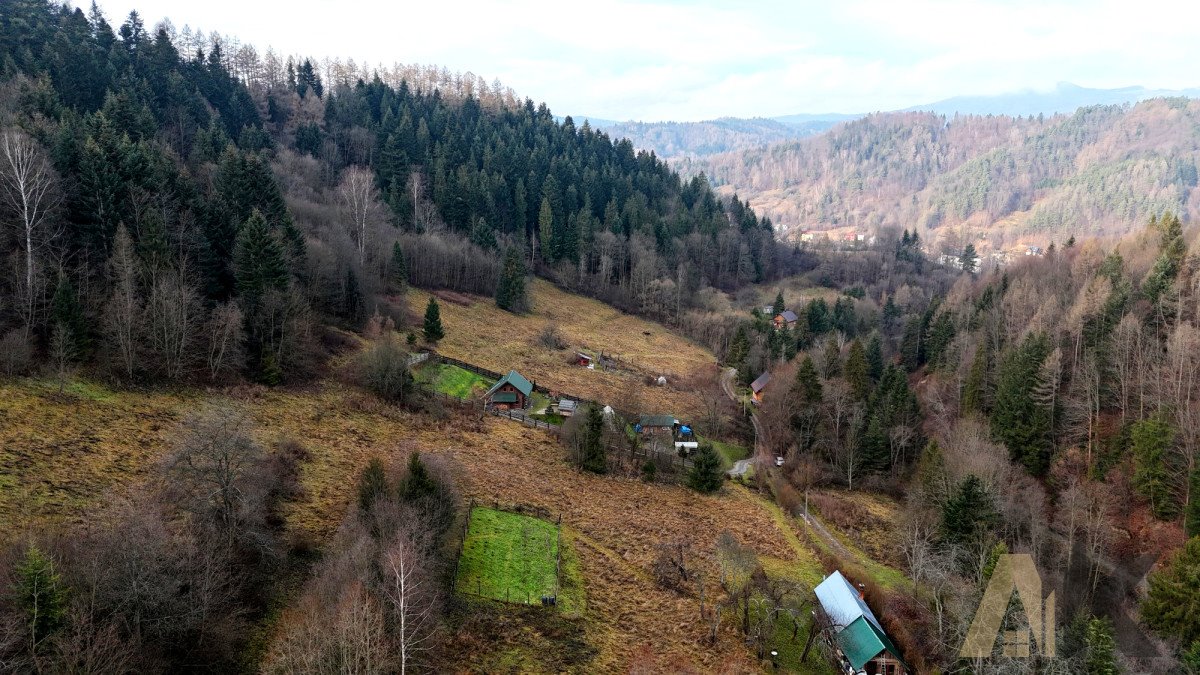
(1094, 172)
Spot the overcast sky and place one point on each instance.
(617, 59)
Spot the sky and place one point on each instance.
(686, 61)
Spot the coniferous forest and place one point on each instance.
(178, 210)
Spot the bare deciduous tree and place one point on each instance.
(412, 591)
(28, 188)
(360, 203)
(123, 315)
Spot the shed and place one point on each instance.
(656, 424)
(583, 359)
(512, 391)
(566, 407)
(857, 633)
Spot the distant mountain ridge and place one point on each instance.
(674, 140)
(994, 178)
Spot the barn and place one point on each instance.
(511, 392)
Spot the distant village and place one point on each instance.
(860, 239)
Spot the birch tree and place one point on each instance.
(412, 591)
(360, 202)
(28, 189)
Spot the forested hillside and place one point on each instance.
(1006, 180)
(696, 139)
(201, 214)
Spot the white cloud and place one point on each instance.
(624, 59)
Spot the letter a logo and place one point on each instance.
(1013, 572)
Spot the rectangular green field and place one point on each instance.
(510, 557)
(454, 381)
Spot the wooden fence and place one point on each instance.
(525, 510)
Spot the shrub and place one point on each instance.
(16, 354)
(383, 368)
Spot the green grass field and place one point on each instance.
(729, 452)
(508, 557)
(454, 381)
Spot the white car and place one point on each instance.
(779, 461)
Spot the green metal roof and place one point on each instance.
(861, 641)
(516, 380)
(658, 420)
(504, 397)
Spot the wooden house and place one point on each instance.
(757, 387)
(510, 393)
(785, 318)
(566, 407)
(861, 645)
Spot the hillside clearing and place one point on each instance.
(485, 335)
(508, 556)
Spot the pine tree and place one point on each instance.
(398, 269)
(433, 322)
(910, 345)
(739, 348)
(705, 474)
(41, 596)
(1150, 440)
(510, 290)
(418, 484)
(856, 371)
(545, 228)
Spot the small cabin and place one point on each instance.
(655, 425)
(510, 393)
(785, 318)
(566, 407)
(861, 645)
(757, 387)
(583, 360)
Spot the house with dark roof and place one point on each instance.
(861, 644)
(757, 387)
(653, 425)
(511, 392)
(785, 318)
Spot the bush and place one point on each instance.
(649, 471)
(550, 337)
(16, 354)
(383, 368)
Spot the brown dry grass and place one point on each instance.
(483, 334)
(62, 456)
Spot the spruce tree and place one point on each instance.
(875, 357)
(968, 259)
(705, 474)
(1101, 648)
(41, 596)
(975, 394)
(778, 307)
(807, 387)
(1018, 420)
(1150, 441)
(433, 322)
(856, 371)
(592, 456)
(259, 264)
(66, 316)
(969, 514)
(511, 293)
(372, 484)
(1171, 604)
(832, 359)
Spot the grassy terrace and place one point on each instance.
(453, 381)
(512, 557)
